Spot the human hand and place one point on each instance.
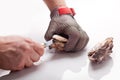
(67, 26)
(17, 52)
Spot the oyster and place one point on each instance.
(101, 50)
(58, 42)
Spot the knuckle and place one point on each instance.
(23, 46)
(28, 47)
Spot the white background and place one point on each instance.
(30, 18)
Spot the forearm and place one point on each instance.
(55, 3)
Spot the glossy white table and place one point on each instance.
(30, 18)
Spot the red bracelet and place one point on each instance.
(66, 11)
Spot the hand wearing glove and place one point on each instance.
(63, 22)
(17, 52)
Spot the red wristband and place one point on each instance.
(66, 11)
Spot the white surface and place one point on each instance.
(99, 18)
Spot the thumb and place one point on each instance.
(50, 31)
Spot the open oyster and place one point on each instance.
(58, 42)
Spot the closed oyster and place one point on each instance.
(101, 50)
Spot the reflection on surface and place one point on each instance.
(97, 71)
(69, 75)
(4, 72)
(20, 74)
(72, 61)
(53, 66)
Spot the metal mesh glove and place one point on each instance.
(66, 25)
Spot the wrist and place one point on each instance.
(62, 11)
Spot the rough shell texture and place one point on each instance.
(59, 38)
(58, 43)
(101, 50)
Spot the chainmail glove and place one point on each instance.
(67, 26)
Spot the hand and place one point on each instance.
(66, 25)
(17, 52)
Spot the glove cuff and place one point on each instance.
(62, 11)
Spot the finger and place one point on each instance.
(28, 63)
(82, 41)
(51, 31)
(35, 57)
(4, 62)
(20, 66)
(28, 40)
(29, 51)
(73, 39)
(38, 48)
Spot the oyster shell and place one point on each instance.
(101, 50)
(58, 42)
